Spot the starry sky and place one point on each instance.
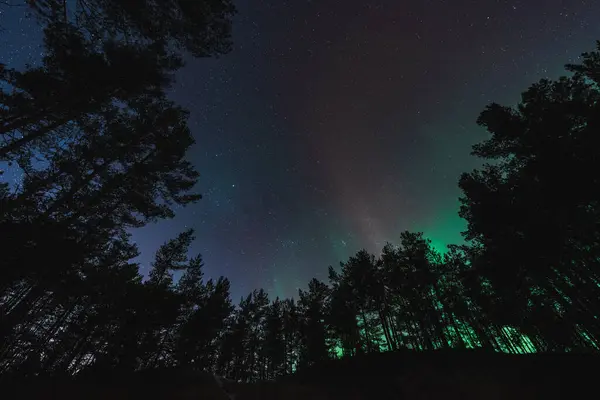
(334, 125)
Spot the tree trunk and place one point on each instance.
(386, 332)
(20, 311)
(367, 334)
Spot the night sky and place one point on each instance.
(335, 125)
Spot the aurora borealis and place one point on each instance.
(335, 125)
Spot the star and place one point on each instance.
(297, 134)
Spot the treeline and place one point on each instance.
(102, 151)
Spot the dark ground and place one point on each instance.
(457, 373)
(448, 374)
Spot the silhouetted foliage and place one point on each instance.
(533, 214)
(201, 27)
(78, 88)
(112, 153)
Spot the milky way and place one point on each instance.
(335, 125)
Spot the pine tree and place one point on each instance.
(313, 305)
(533, 212)
(201, 27)
(78, 81)
(274, 342)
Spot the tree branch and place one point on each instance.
(6, 3)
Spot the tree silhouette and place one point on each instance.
(534, 212)
(112, 157)
(73, 301)
(201, 27)
(291, 335)
(202, 328)
(343, 314)
(313, 306)
(78, 83)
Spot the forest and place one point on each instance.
(102, 149)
